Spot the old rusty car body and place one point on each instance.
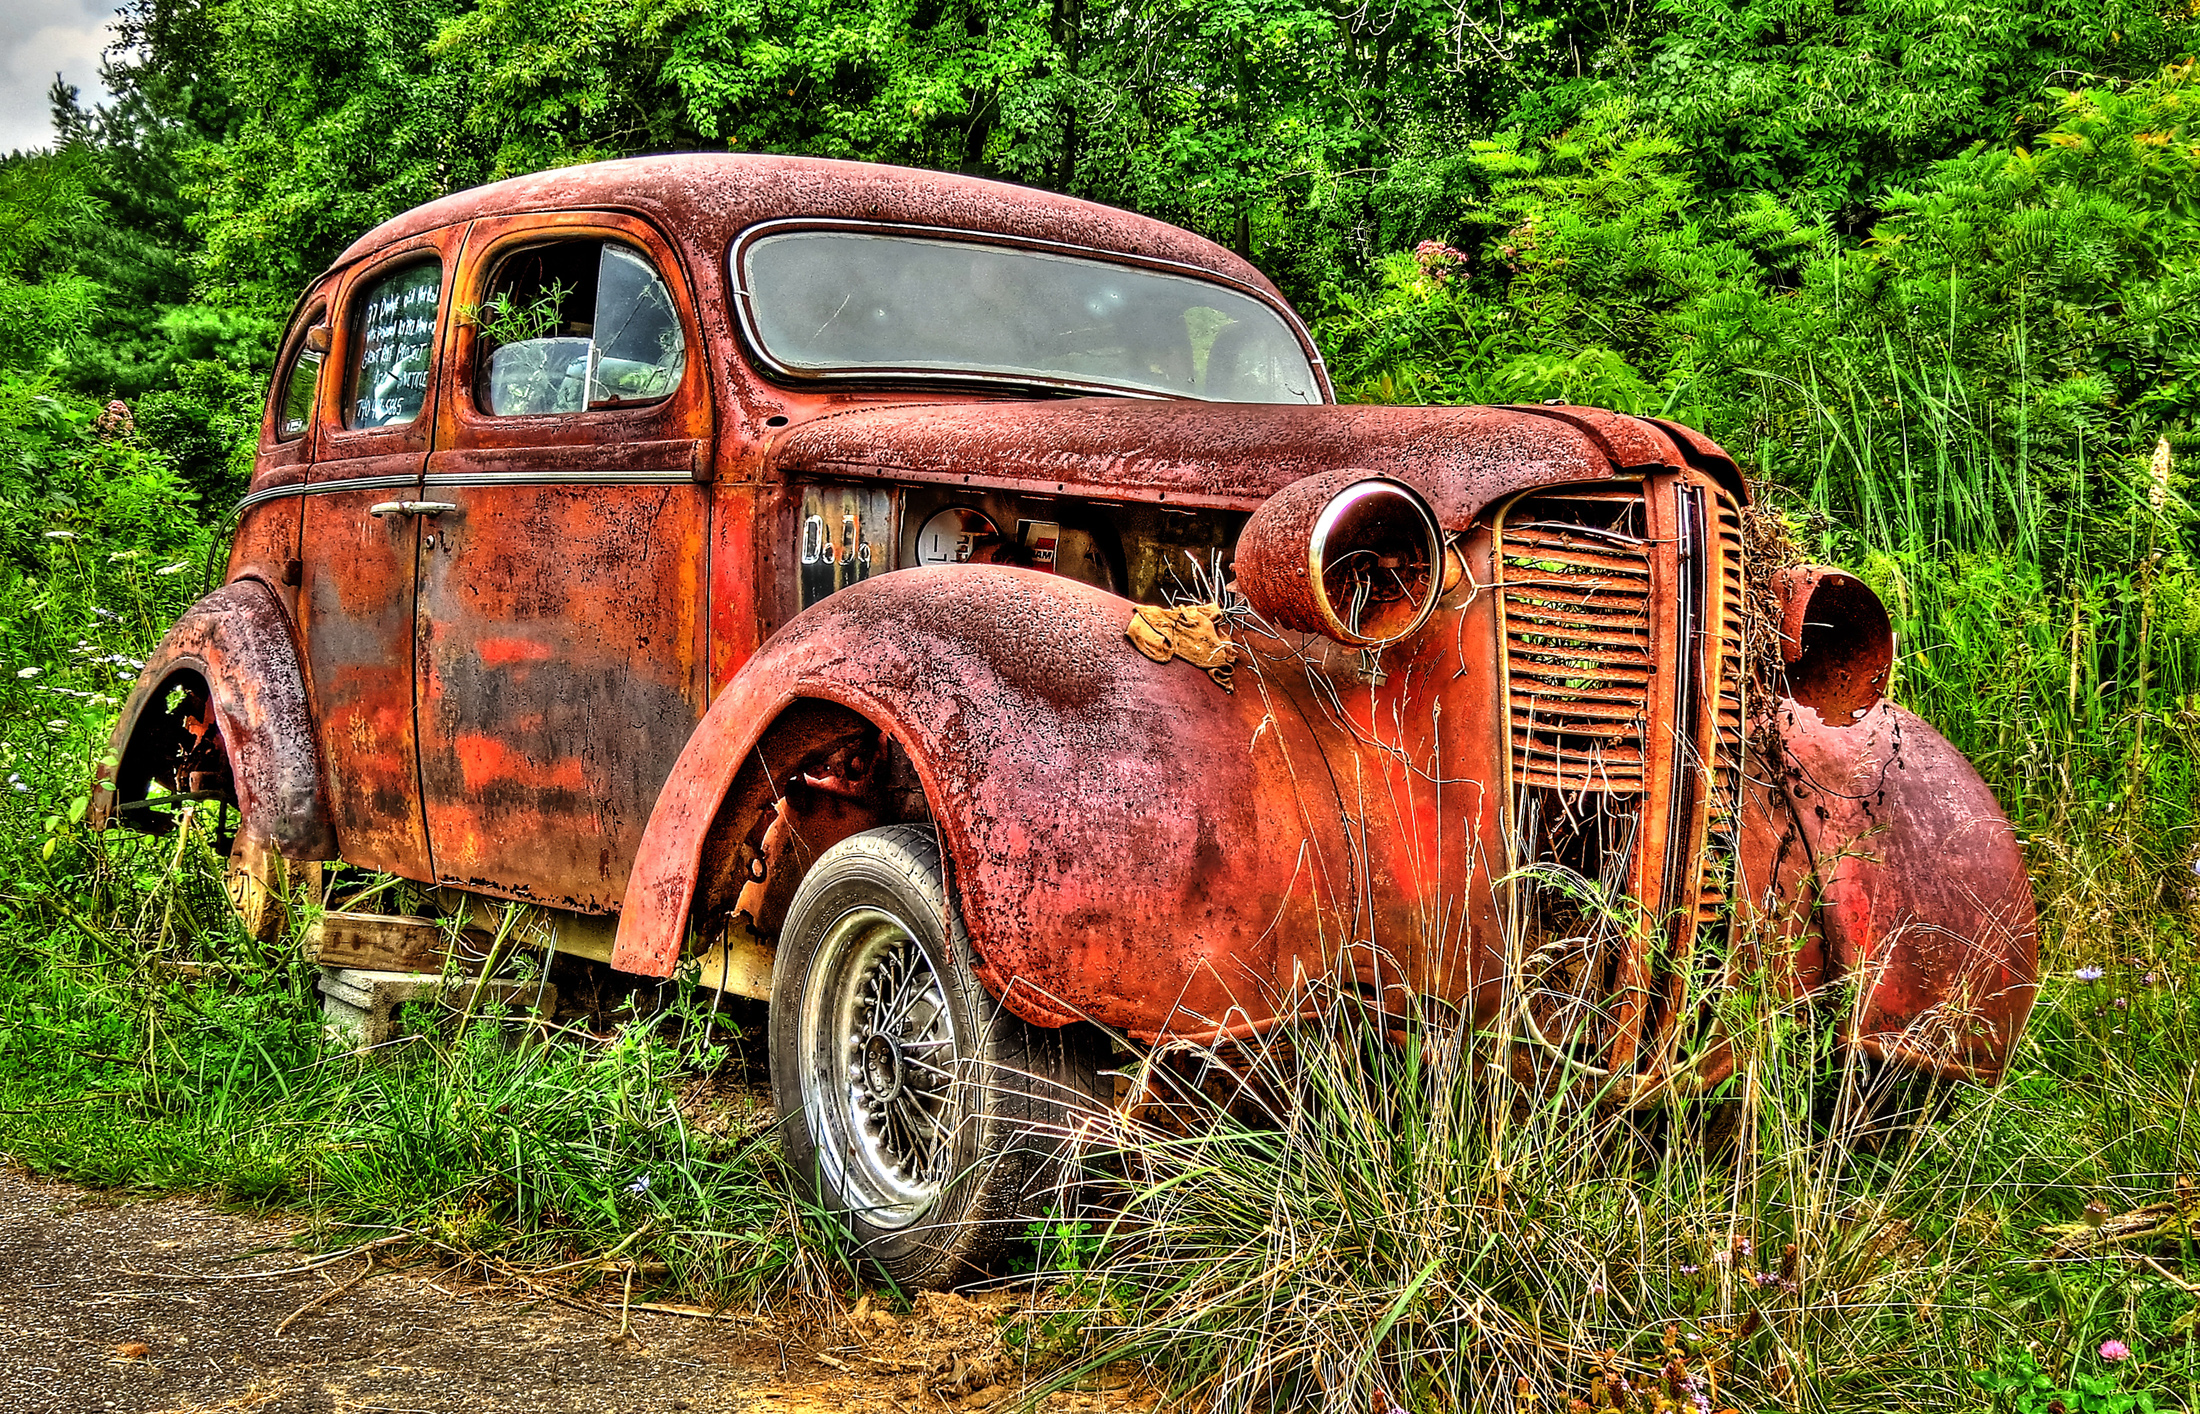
(970, 607)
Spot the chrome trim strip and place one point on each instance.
(651, 476)
(314, 488)
(623, 476)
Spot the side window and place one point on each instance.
(576, 326)
(301, 380)
(394, 330)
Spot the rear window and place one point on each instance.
(845, 303)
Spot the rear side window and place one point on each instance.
(394, 341)
(573, 327)
(301, 381)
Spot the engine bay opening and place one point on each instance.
(1150, 554)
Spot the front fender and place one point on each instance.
(237, 641)
(1924, 900)
(1127, 840)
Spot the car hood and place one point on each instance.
(1233, 456)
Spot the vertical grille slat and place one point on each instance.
(1728, 740)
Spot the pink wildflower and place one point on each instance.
(2115, 1350)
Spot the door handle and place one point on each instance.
(410, 508)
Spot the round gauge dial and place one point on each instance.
(955, 536)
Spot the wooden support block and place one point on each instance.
(360, 1005)
(376, 942)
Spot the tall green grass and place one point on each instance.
(1368, 1212)
(483, 1144)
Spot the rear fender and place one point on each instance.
(233, 648)
(1128, 842)
(1924, 901)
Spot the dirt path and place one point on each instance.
(118, 1307)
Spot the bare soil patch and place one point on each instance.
(177, 1307)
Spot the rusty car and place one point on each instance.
(964, 617)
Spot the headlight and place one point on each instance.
(1343, 553)
(1836, 644)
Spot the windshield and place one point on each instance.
(830, 302)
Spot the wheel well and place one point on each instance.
(176, 743)
(820, 773)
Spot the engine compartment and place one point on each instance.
(1143, 552)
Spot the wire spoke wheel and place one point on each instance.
(926, 1118)
(875, 1034)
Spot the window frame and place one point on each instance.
(294, 349)
(753, 344)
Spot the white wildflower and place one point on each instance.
(61, 535)
(26, 672)
(177, 568)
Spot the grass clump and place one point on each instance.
(1389, 1211)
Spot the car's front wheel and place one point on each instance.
(927, 1119)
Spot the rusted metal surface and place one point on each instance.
(1924, 901)
(724, 193)
(559, 625)
(356, 580)
(1205, 455)
(1836, 646)
(1295, 546)
(509, 680)
(231, 651)
(1119, 893)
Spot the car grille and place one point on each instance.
(1576, 623)
(1598, 675)
(1726, 764)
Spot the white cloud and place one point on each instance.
(39, 38)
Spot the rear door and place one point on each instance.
(561, 632)
(358, 545)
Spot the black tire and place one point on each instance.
(939, 1136)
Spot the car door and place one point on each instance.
(561, 635)
(359, 540)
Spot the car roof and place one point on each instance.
(706, 198)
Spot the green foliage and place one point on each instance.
(1358, 1211)
(2020, 1386)
(1830, 102)
(354, 118)
(120, 1077)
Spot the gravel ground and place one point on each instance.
(176, 1307)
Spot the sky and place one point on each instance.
(37, 39)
